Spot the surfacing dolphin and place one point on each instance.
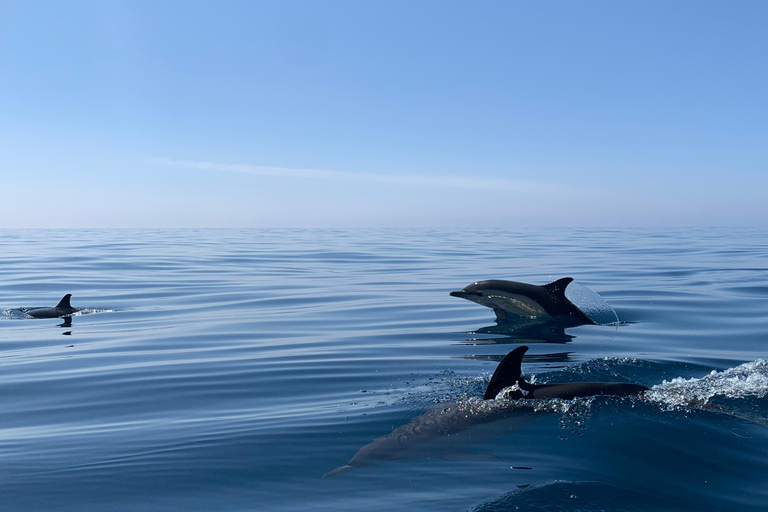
(509, 373)
(62, 309)
(450, 419)
(546, 302)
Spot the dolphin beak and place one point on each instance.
(464, 294)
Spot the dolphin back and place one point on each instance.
(562, 305)
(570, 390)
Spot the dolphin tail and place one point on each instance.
(64, 302)
(340, 469)
(507, 373)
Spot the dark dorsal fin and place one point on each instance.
(558, 287)
(507, 373)
(64, 302)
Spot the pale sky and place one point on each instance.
(383, 113)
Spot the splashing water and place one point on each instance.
(748, 379)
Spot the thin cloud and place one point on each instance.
(463, 182)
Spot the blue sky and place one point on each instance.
(363, 113)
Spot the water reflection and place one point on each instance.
(529, 332)
(555, 357)
(67, 323)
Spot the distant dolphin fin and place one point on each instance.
(507, 373)
(558, 287)
(64, 302)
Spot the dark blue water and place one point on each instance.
(232, 369)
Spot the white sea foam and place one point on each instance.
(745, 380)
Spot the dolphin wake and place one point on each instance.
(746, 380)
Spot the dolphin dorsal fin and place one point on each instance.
(64, 302)
(558, 287)
(507, 373)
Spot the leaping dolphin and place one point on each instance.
(451, 419)
(526, 300)
(62, 309)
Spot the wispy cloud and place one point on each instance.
(463, 182)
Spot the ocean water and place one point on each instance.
(232, 369)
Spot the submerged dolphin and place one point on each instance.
(526, 300)
(450, 419)
(62, 309)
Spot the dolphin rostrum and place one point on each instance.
(62, 309)
(526, 300)
(450, 419)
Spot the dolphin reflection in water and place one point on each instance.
(449, 419)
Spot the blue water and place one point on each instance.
(232, 369)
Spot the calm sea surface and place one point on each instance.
(232, 369)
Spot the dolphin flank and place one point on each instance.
(451, 419)
(546, 302)
(62, 309)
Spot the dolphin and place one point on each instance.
(546, 302)
(448, 420)
(509, 374)
(62, 309)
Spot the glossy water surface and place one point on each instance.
(232, 369)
